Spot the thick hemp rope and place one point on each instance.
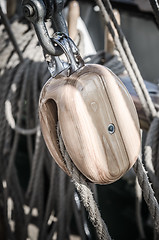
(38, 160)
(90, 204)
(11, 35)
(152, 157)
(11, 137)
(155, 7)
(20, 137)
(138, 210)
(84, 189)
(151, 153)
(151, 148)
(127, 58)
(148, 192)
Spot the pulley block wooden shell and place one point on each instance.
(98, 122)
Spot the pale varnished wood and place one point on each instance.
(109, 42)
(85, 104)
(73, 15)
(11, 7)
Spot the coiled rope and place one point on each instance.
(15, 92)
(20, 141)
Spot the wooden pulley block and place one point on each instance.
(98, 122)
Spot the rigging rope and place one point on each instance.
(155, 7)
(20, 102)
(19, 105)
(11, 35)
(147, 192)
(152, 138)
(83, 187)
(138, 210)
(127, 58)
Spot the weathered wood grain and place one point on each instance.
(87, 104)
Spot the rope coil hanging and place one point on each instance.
(26, 98)
(82, 185)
